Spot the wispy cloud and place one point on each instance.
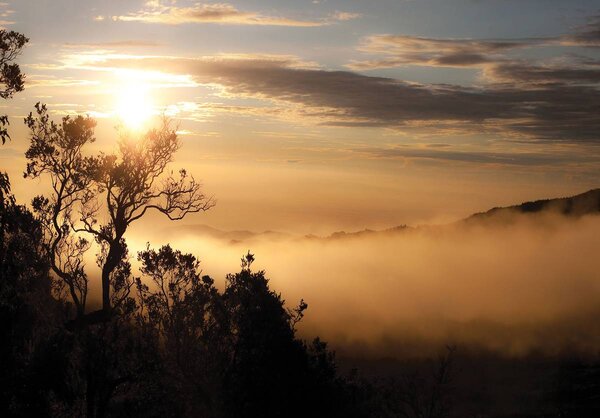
(129, 43)
(586, 35)
(554, 97)
(6, 14)
(344, 16)
(221, 13)
(528, 74)
(410, 50)
(49, 81)
(401, 50)
(498, 158)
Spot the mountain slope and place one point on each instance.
(587, 203)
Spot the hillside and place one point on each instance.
(587, 203)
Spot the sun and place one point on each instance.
(134, 105)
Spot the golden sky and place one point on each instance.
(315, 116)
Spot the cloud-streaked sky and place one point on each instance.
(320, 115)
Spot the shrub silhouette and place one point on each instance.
(232, 353)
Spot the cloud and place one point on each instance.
(130, 43)
(49, 81)
(222, 13)
(345, 16)
(546, 99)
(586, 35)
(436, 152)
(411, 50)
(401, 50)
(492, 57)
(342, 98)
(6, 13)
(527, 73)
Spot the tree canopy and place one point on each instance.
(11, 78)
(122, 187)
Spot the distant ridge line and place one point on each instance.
(586, 203)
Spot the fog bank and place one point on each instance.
(530, 284)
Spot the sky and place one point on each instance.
(316, 116)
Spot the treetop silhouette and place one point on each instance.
(102, 195)
(11, 78)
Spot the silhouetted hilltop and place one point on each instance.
(360, 234)
(587, 203)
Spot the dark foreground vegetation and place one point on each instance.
(166, 341)
(176, 346)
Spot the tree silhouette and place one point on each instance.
(56, 151)
(132, 183)
(11, 79)
(270, 373)
(187, 315)
(233, 353)
(27, 309)
(124, 186)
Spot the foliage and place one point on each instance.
(56, 150)
(11, 78)
(27, 309)
(232, 353)
(124, 185)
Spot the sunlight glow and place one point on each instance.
(134, 103)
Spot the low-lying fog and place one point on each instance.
(530, 284)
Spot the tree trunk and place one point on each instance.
(115, 253)
(106, 288)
